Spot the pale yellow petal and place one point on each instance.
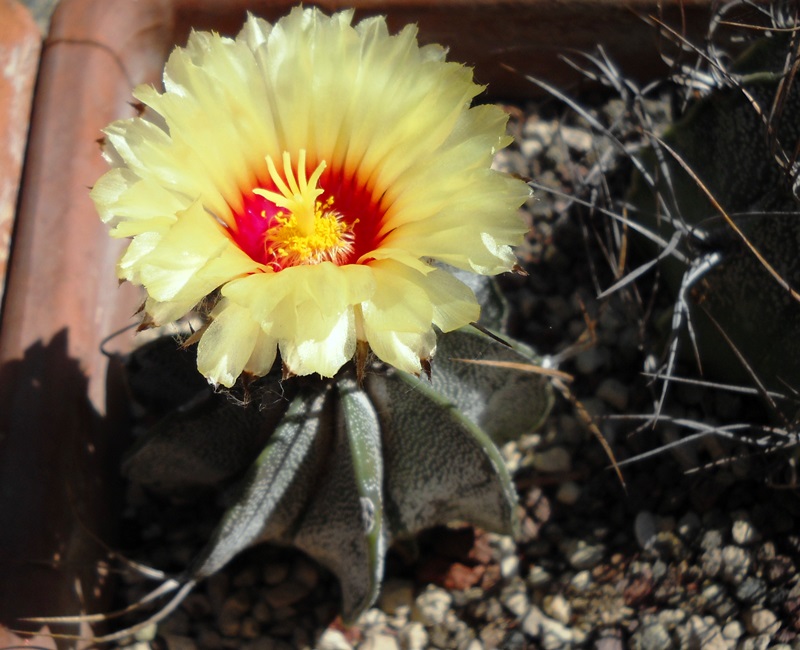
(263, 357)
(133, 205)
(323, 356)
(227, 344)
(399, 304)
(192, 258)
(454, 303)
(403, 350)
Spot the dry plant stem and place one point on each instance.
(537, 370)
(589, 423)
(159, 616)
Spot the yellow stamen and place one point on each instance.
(307, 231)
(300, 195)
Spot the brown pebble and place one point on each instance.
(262, 612)
(209, 640)
(305, 573)
(274, 574)
(637, 591)
(459, 576)
(250, 628)
(285, 594)
(217, 589)
(246, 578)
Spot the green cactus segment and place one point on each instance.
(277, 485)
(504, 402)
(200, 446)
(342, 527)
(724, 140)
(439, 466)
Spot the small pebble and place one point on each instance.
(414, 637)
(432, 605)
(250, 628)
(581, 581)
(558, 607)
(285, 594)
(688, 525)
(733, 631)
(711, 539)
(645, 529)
(718, 601)
(274, 573)
(509, 566)
(582, 555)
(670, 618)
(609, 643)
(760, 642)
(555, 635)
(743, 532)
(701, 633)
(760, 621)
(568, 493)
(589, 361)
(380, 642)
(653, 637)
(517, 603)
(553, 460)
(752, 590)
(175, 642)
(613, 392)
(735, 564)
(538, 576)
(532, 623)
(579, 140)
(711, 562)
(333, 640)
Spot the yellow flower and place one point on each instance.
(312, 172)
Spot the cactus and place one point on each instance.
(341, 470)
(733, 143)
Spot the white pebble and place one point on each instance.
(380, 642)
(581, 581)
(509, 566)
(558, 608)
(432, 605)
(414, 637)
(760, 621)
(333, 640)
(517, 604)
(743, 532)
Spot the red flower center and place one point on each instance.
(293, 219)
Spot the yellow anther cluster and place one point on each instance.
(331, 240)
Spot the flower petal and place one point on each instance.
(228, 345)
(191, 259)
